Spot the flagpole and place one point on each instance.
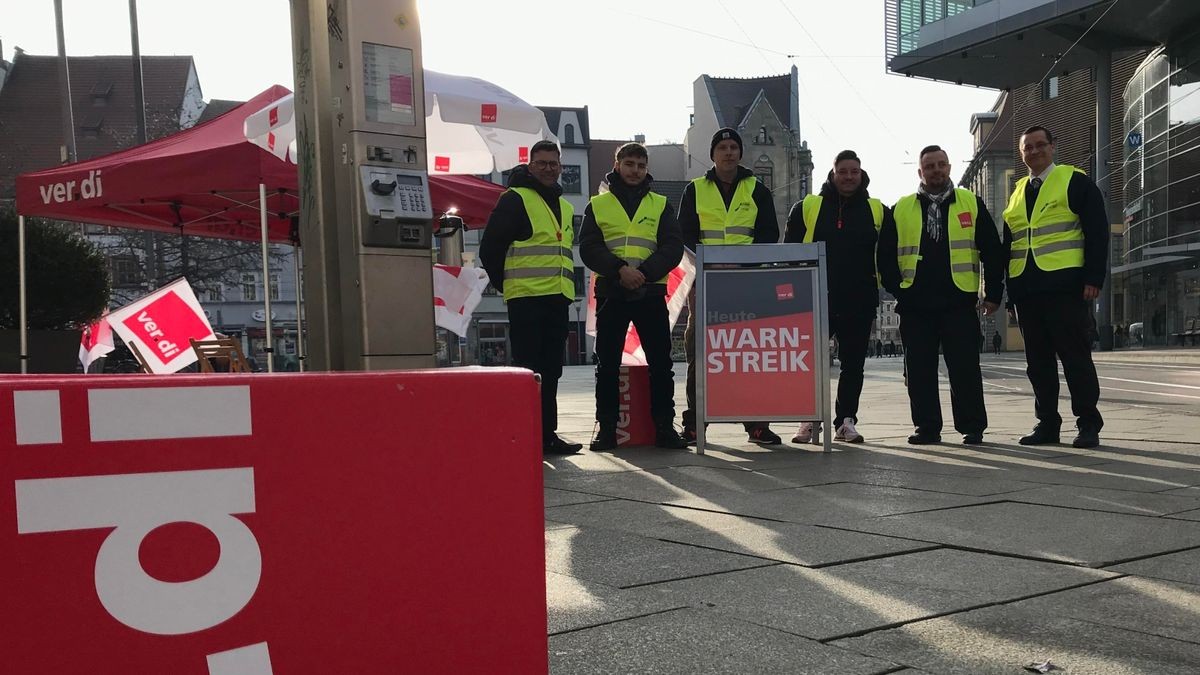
(24, 357)
(262, 211)
(299, 317)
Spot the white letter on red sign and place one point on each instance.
(136, 504)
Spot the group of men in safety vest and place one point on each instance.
(937, 251)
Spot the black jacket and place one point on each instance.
(934, 288)
(600, 259)
(509, 222)
(1084, 198)
(847, 227)
(766, 224)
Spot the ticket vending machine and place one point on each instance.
(360, 102)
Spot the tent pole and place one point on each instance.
(262, 212)
(299, 307)
(24, 356)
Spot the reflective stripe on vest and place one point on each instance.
(960, 229)
(810, 208)
(1054, 235)
(719, 225)
(543, 264)
(632, 241)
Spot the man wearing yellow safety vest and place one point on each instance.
(930, 260)
(847, 219)
(630, 239)
(728, 205)
(526, 251)
(1056, 229)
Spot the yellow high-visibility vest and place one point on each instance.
(960, 228)
(1054, 235)
(542, 264)
(630, 240)
(719, 225)
(811, 208)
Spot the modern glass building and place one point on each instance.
(1157, 279)
(1047, 52)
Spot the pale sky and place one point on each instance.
(632, 62)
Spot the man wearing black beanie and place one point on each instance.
(728, 205)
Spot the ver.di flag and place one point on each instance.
(96, 342)
(456, 293)
(679, 284)
(161, 326)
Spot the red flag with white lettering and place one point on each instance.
(96, 342)
(456, 293)
(161, 325)
(679, 284)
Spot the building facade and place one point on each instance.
(1118, 76)
(766, 113)
(1157, 278)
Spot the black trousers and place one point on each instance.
(689, 350)
(1056, 325)
(650, 318)
(956, 331)
(537, 328)
(853, 331)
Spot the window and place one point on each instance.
(762, 138)
(571, 179)
(250, 287)
(125, 271)
(765, 171)
(1050, 88)
(274, 286)
(214, 294)
(569, 134)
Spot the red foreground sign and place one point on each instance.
(255, 525)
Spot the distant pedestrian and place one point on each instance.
(891, 348)
(878, 349)
(996, 343)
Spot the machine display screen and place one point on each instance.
(388, 84)
(409, 180)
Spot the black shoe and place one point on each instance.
(923, 438)
(972, 439)
(668, 439)
(1041, 435)
(688, 436)
(605, 440)
(764, 436)
(1086, 438)
(557, 446)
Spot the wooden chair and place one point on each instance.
(224, 353)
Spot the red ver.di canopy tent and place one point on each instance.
(203, 181)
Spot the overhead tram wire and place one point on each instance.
(799, 81)
(847, 80)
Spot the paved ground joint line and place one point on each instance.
(941, 615)
(609, 623)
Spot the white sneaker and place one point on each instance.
(847, 433)
(804, 434)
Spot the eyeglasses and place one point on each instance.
(543, 164)
(1040, 145)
